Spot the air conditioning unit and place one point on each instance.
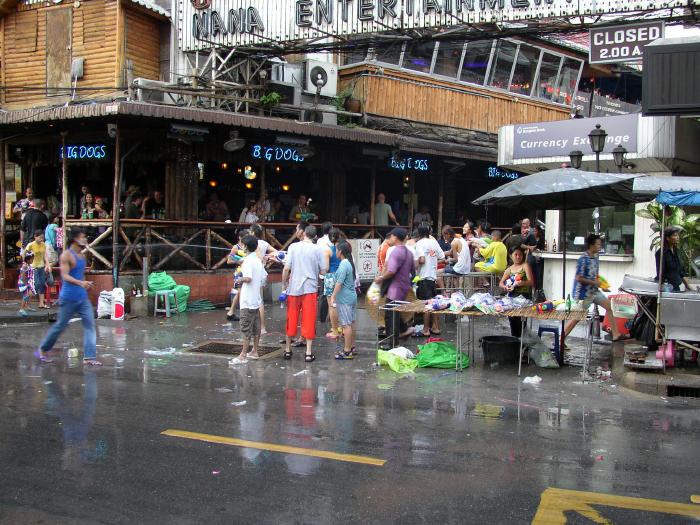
(144, 94)
(287, 73)
(311, 114)
(327, 72)
(291, 93)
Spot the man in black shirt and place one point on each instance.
(33, 220)
(673, 272)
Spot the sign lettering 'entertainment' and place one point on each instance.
(226, 23)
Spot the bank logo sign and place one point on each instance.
(227, 23)
(559, 138)
(623, 43)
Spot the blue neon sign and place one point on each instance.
(276, 153)
(409, 163)
(84, 152)
(494, 172)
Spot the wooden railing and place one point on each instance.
(183, 245)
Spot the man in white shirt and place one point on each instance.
(428, 253)
(303, 265)
(252, 276)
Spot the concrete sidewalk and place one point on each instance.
(9, 313)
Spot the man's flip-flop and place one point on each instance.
(92, 362)
(253, 357)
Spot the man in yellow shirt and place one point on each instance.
(495, 255)
(40, 265)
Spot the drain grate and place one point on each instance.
(682, 391)
(228, 348)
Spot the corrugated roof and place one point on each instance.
(224, 118)
(151, 6)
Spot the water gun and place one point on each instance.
(283, 296)
(546, 306)
(603, 283)
(237, 256)
(279, 256)
(513, 281)
(416, 279)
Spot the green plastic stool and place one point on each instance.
(169, 300)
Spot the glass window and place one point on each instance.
(419, 56)
(616, 228)
(546, 80)
(476, 61)
(504, 56)
(390, 54)
(448, 56)
(354, 56)
(525, 69)
(566, 87)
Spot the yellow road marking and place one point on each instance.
(555, 503)
(272, 447)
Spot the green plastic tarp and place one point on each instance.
(182, 293)
(396, 363)
(440, 354)
(160, 281)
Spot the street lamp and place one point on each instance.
(619, 156)
(576, 156)
(597, 137)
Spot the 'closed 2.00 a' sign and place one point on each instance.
(623, 43)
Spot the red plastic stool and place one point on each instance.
(53, 291)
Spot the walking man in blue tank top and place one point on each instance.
(73, 299)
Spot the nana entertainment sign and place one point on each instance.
(228, 23)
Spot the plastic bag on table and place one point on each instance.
(458, 302)
(521, 301)
(439, 302)
(396, 363)
(440, 354)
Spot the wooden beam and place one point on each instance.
(178, 250)
(128, 243)
(130, 249)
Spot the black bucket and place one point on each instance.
(501, 349)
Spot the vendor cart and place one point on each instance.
(675, 315)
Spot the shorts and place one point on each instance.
(426, 289)
(597, 298)
(328, 284)
(40, 280)
(250, 322)
(347, 314)
(306, 306)
(449, 269)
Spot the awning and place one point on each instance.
(234, 120)
(653, 185)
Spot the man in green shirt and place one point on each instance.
(383, 213)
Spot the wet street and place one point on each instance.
(160, 435)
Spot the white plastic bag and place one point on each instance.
(402, 352)
(374, 293)
(104, 305)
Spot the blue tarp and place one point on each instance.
(679, 198)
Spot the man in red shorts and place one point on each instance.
(304, 263)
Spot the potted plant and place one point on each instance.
(270, 100)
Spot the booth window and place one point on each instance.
(546, 85)
(499, 76)
(447, 59)
(567, 84)
(525, 69)
(476, 61)
(390, 54)
(419, 56)
(616, 228)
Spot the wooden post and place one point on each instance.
(64, 187)
(441, 200)
(3, 211)
(262, 180)
(116, 195)
(373, 192)
(411, 194)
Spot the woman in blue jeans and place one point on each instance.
(73, 299)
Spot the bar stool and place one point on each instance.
(169, 300)
(552, 330)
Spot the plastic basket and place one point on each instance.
(624, 306)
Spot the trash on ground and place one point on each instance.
(402, 352)
(301, 372)
(224, 390)
(239, 403)
(440, 354)
(237, 361)
(166, 351)
(532, 380)
(398, 364)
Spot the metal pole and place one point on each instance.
(3, 211)
(64, 187)
(373, 192)
(661, 276)
(563, 279)
(116, 194)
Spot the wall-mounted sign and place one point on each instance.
(409, 164)
(494, 172)
(559, 138)
(622, 43)
(276, 153)
(607, 107)
(229, 23)
(84, 152)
